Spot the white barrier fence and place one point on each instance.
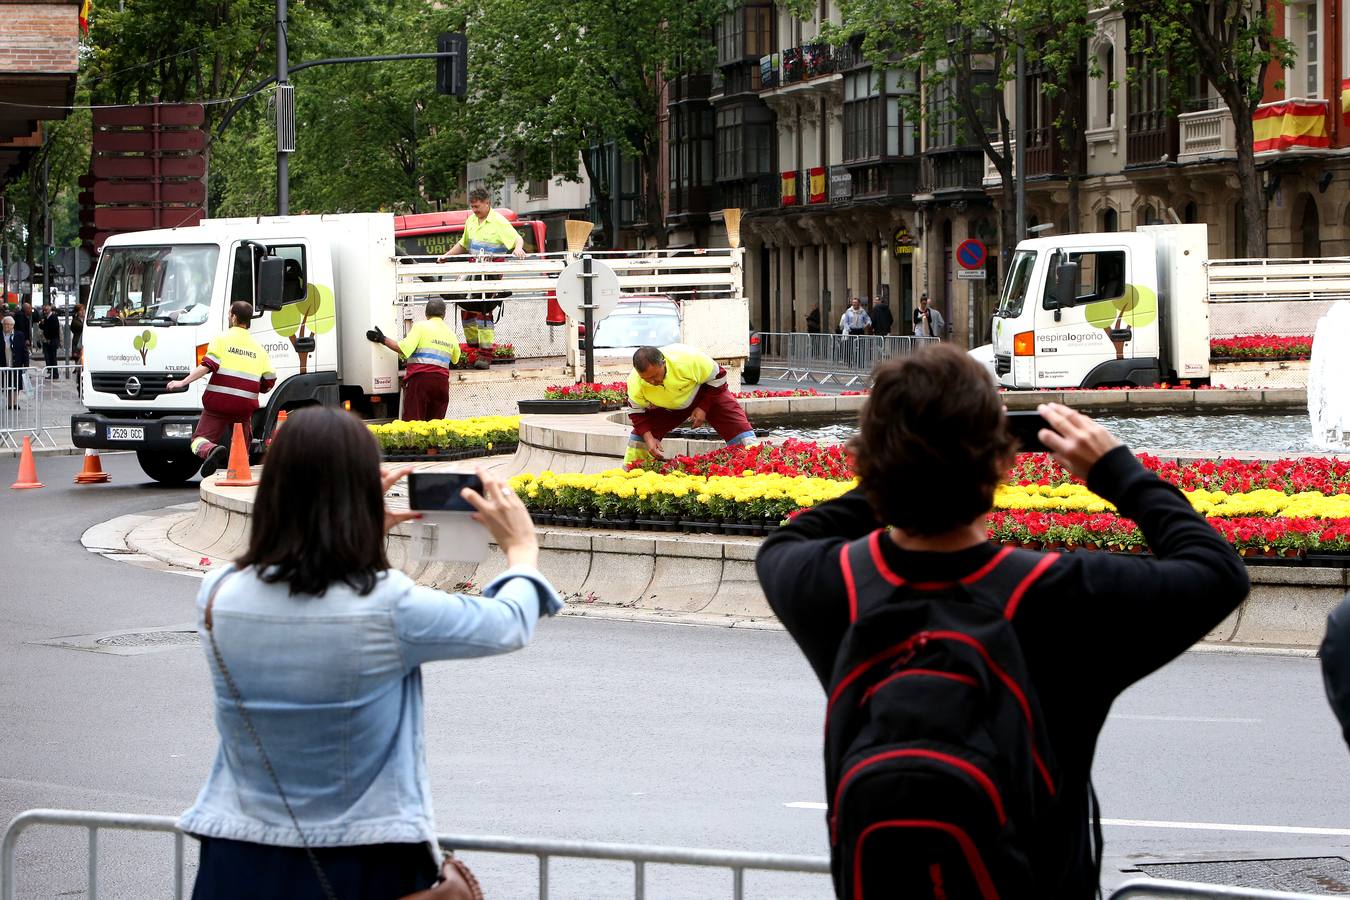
(37, 402)
(841, 358)
(638, 856)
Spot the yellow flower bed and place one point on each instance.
(619, 493)
(483, 432)
(1263, 502)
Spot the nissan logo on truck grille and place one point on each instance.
(131, 385)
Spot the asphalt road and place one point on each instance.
(612, 731)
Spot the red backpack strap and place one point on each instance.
(868, 578)
(1009, 575)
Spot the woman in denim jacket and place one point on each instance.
(325, 643)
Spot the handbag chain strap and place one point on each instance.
(257, 741)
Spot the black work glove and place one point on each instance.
(375, 335)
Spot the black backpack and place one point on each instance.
(936, 761)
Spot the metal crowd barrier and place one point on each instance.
(1148, 888)
(637, 855)
(37, 402)
(840, 358)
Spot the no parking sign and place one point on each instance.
(970, 256)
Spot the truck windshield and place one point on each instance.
(1015, 287)
(154, 285)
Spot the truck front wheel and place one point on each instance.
(168, 467)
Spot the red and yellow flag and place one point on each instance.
(817, 184)
(85, 8)
(789, 192)
(1345, 101)
(1291, 123)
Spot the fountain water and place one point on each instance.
(1329, 380)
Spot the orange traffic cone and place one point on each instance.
(276, 427)
(238, 474)
(27, 468)
(93, 470)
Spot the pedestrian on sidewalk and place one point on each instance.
(13, 360)
(77, 341)
(882, 320)
(855, 319)
(240, 369)
(430, 348)
(315, 646)
(960, 672)
(50, 326)
(928, 322)
(675, 383)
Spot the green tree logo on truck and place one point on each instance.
(311, 316)
(1119, 316)
(144, 343)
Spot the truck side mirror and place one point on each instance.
(1066, 284)
(271, 282)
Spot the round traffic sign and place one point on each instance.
(604, 289)
(971, 254)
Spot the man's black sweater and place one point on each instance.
(1091, 626)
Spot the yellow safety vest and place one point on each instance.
(491, 235)
(240, 369)
(431, 346)
(687, 370)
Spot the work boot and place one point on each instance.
(482, 362)
(214, 460)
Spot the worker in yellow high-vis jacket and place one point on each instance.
(671, 384)
(486, 233)
(430, 348)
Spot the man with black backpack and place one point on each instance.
(966, 682)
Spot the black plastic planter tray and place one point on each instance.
(450, 455)
(553, 407)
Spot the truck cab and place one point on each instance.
(160, 297)
(1092, 310)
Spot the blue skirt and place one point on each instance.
(230, 870)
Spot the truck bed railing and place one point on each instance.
(1259, 280)
(681, 273)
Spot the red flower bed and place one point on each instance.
(1250, 535)
(1232, 476)
(1261, 346)
(790, 458)
(764, 395)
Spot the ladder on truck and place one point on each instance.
(707, 284)
(1282, 297)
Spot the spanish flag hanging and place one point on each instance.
(790, 188)
(1292, 123)
(817, 184)
(1345, 101)
(85, 8)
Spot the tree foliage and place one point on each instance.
(1232, 45)
(550, 80)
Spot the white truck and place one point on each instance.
(1140, 308)
(317, 284)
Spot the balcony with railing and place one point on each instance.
(798, 66)
(895, 178)
(952, 172)
(1206, 134)
(1151, 139)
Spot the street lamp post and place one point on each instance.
(283, 154)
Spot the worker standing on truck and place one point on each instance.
(240, 369)
(486, 233)
(430, 348)
(673, 383)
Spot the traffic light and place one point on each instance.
(452, 72)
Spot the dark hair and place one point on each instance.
(435, 307)
(933, 442)
(318, 517)
(478, 194)
(646, 357)
(242, 311)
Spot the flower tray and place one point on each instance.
(439, 455)
(657, 524)
(553, 407)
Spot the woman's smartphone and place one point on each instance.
(440, 491)
(1025, 426)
